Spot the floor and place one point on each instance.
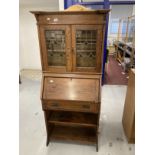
(112, 140)
(114, 73)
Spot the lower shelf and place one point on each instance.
(73, 119)
(78, 134)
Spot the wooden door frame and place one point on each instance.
(99, 47)
(43, 49)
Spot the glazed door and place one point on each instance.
(87, 48)
(55, 48)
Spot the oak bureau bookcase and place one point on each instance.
(71, 49)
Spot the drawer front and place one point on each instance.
(82, 107)
(74, 19)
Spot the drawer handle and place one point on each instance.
(55, 20)
(51, 81)
(86, 106)
(55, 104)
(48, 19)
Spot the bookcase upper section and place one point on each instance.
(71, 41)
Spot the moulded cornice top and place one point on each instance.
(71, 12)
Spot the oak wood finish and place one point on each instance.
(78, 134)
(64, 19)
(70, 106)
(75, 75)
(71, 93)
(67, 49)
(73, 118)
(71, 89)
(129, 109)
(74, 94)
(100, 30)
(69, 22)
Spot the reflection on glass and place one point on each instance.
(55, 44)
(86, 48)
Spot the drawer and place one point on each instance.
(50, 19)
(74, 19)
(70, 106)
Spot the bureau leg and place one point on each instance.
(47, 140)
(97, 132)
(46, 115)
(97, 143)
(96, 147)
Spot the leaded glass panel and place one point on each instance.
(55, 44)
(86, 48)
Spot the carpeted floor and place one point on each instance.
(114, 74)
(112, 140)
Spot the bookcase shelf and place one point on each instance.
(73, 119)
(70, 134)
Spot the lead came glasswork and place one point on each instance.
(86, 48)
(55, 44)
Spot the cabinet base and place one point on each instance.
(81, 135)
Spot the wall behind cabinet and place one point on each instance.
(29, 54)
(117, 12)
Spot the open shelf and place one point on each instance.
(78, 134)
(73, 118)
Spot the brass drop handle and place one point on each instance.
(86, 106)
(48, 19)
(55, 20)
(51, 81)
